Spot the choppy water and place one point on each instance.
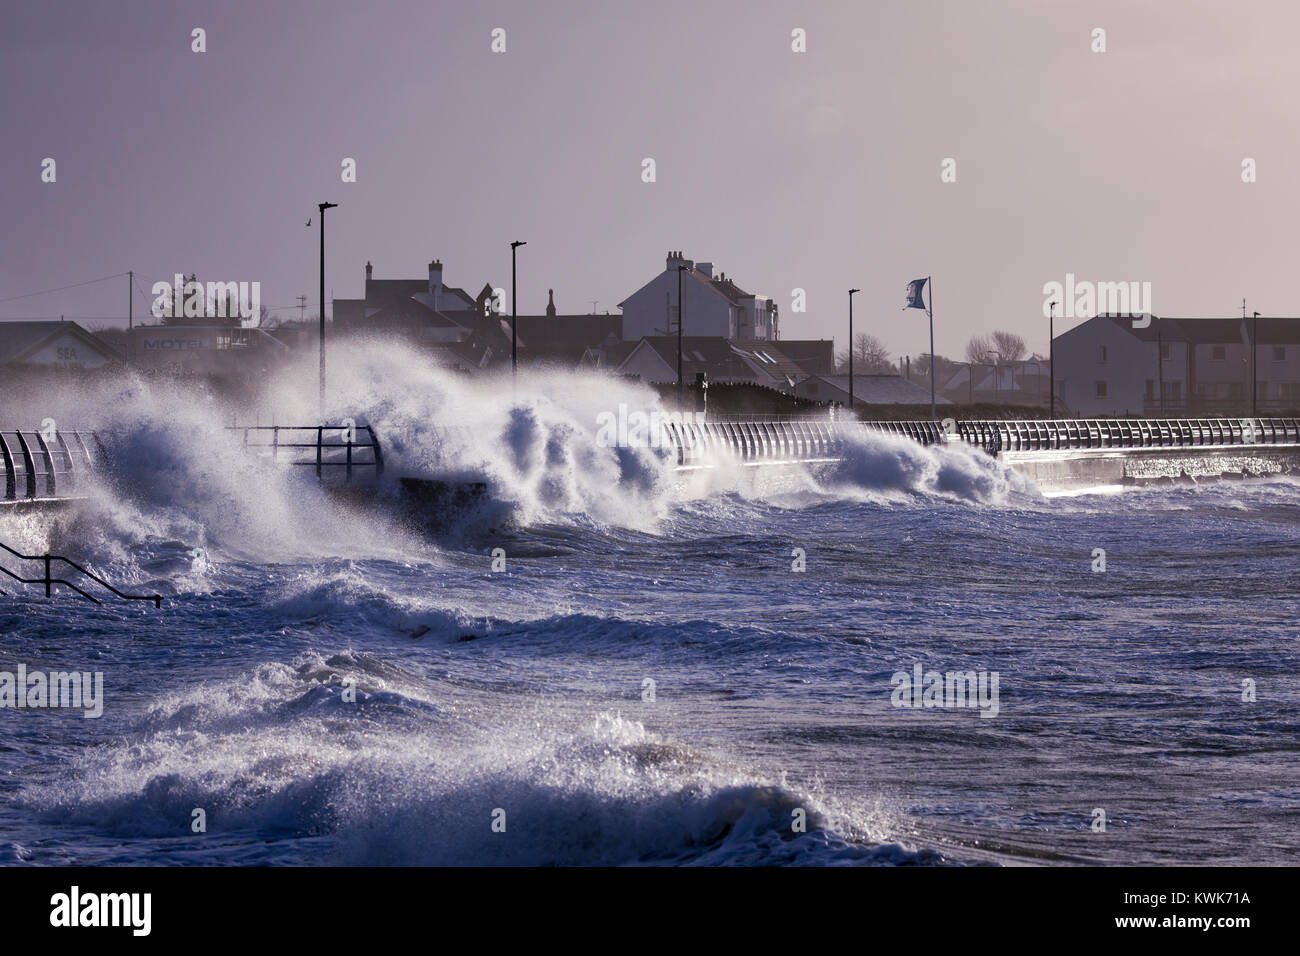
(525, 690)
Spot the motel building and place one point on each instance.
(204, 349)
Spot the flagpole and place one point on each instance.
(930, 310)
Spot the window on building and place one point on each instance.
(1174, 390)
(1166, 351)
(1101, 386)
(1103, 353)
(1279, 353)
(1218, 353)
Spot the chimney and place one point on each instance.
(369, 269)
(550, 305)
(676, 259)
(435, 279)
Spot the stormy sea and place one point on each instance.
(587, 667)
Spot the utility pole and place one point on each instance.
(302, 309)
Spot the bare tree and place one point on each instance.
(978, 348)
(869, 356)
(1010, 346)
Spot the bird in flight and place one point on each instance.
(309, 221)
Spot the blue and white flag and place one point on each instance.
(914, 300)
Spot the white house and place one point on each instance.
(1179, 367)
(714, 305)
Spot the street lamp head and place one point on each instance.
(851, 291)
(326, 205)
(516, 245)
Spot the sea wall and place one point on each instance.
(1055, 454)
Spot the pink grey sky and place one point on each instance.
(818, 170)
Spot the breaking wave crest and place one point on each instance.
(405, 774)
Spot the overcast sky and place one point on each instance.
(818, 170)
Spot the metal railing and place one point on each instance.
(1073, 434)
(49, 580)
(352, 448)
(41, 464)
(777, 441)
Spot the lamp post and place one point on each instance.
(1160, 365)
(681, 317)
(996, 372)
(322, 207)
(852, 292)
(1051, 358)
(514, 312)
(1254, 355)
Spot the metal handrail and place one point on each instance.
(48, 580)
(41, 465)
(319, 445)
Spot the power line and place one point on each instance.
(74, 285)
(62, 315)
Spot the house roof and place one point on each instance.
(724, 360)
(722, 286)
(377, 289)
(568, 333)
(814, 356)
(771, 360)
(18, 340)
(414, 311)
(728, 288)
(1273, 330)
(880, 389)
